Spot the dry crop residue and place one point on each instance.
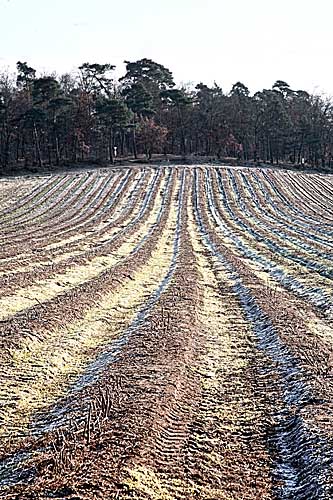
(166, 334)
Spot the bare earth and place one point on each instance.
(166, 333)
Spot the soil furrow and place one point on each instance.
(72, 253)
(101, 261)
(303, 473)
(50, 348)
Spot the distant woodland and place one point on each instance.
(91, 116)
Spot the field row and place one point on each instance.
(166, 334)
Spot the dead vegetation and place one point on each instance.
(170, 359)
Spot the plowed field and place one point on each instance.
(166, 333)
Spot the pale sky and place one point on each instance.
(252, 41)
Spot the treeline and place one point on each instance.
(90, 115)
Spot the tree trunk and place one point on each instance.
(37, 145)
(17, 148)
(49, 154)
(182, 131)
(111, 158)
(6, 151)
(57, 152)
(300, 150)
(122, 142)
(134, 144)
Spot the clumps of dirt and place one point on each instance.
(72, 304)
(139, 411)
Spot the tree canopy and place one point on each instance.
(49, 119)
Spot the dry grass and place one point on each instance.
(40, 370)
(50, 288)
